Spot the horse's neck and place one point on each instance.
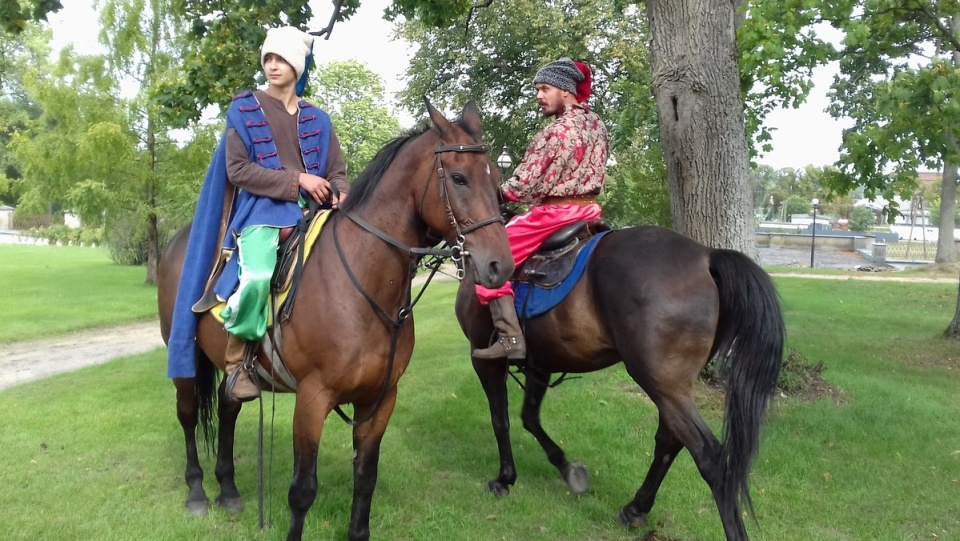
(394, 220)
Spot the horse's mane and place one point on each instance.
(362, 188)
(366, 183)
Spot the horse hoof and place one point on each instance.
(631, 519)
(577, 478)
(234, 506)
(197, 508)
(498, 488)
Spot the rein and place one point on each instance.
(456, 253)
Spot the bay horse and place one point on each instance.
(664, 305)
(353, 300)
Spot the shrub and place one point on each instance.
(861, 219)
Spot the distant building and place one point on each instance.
(6, 217)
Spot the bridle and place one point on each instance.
(455, 253)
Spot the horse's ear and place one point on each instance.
(470, 119)
(439, 121)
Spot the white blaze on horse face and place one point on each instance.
(488, 170)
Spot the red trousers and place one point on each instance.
(527, 231)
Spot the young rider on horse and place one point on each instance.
(276, 152)
(560, 176)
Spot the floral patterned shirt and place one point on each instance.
(566, 158)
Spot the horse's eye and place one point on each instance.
(459, 179)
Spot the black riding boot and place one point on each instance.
(510, 343)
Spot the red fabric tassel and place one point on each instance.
(585, 86)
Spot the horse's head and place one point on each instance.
(459, 200)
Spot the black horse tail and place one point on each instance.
(749, 347)
(205, 385)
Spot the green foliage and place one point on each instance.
(434, 13)
(495, 59)
(80, 138)
(354, 97)
(127, 239)
(221, 53)
(17, 110)
(635, 192)
(861, 219)
(903, 101)
(797, 205)
(778, 47)
(62, 235)
(15, 15)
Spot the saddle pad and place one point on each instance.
(312, 233)
(532, 301)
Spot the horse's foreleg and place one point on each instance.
(493, 379)
(188, 414)
(227, 412)
(366, 446)
(634, 514)
(575, 473)
(308, 419)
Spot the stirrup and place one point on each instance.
(231, 382)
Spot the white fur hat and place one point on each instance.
(290, 44)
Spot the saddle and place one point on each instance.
(545, 279)
(557, 255)
(294, 250)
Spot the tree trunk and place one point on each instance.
(946, 250)
(153, 229)
(953, 330)
(696, 84)
(153, 232)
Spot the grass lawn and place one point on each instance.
(49, 290)
(98, 454)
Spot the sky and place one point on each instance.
(801, 137)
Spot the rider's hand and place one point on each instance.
(318, 188)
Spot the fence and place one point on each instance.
(26, 223)
(911, 250)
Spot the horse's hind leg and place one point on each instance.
(575, 474)
(681, 426)
(227, 412)
(366, 446)
(188, 414)
(667, 447)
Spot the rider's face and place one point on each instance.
(278, 71)
(550, 98)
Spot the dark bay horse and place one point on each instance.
(350, 310)
(664, 305)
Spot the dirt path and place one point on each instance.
(21, 362)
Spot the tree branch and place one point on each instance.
(474, 8)
(337, 5)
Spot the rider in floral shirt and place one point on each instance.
(560, 175)
(566, 159)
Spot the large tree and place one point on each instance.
(81, 137)
(17, 110)
(144, 43)
(898, 81)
